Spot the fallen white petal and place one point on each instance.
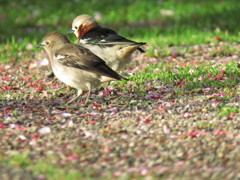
(66, 114)
(22, 137)
(44, 130)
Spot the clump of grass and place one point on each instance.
(39, 167)
(226, 111)
(204, 125)
(15, 49)
(203, 75)
(202, 24)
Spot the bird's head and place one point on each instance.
(83, 24)
(52, 40)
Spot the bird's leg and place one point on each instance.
(88, 95)
(52, 81)
(80, 91)
(89, 92)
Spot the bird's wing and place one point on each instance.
(79, 57)
(104, 36)
(107, 37)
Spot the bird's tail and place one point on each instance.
(107, 71)
(140, 49)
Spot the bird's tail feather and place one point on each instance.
(107, 71)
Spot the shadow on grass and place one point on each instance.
(43, 110)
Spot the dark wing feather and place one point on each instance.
(79, 57)
(107, 37)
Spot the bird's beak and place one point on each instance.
(40, 45)
(70, 31)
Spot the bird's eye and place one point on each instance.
(47, 42)
(75, 27)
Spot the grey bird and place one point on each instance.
(105, 43)
(75, 65)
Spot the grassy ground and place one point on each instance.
(176, 118)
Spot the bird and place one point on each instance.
(104, 42)
(75, 65)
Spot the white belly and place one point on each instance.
(75, 78)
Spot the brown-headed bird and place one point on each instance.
(74, 65)
(105, 43)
